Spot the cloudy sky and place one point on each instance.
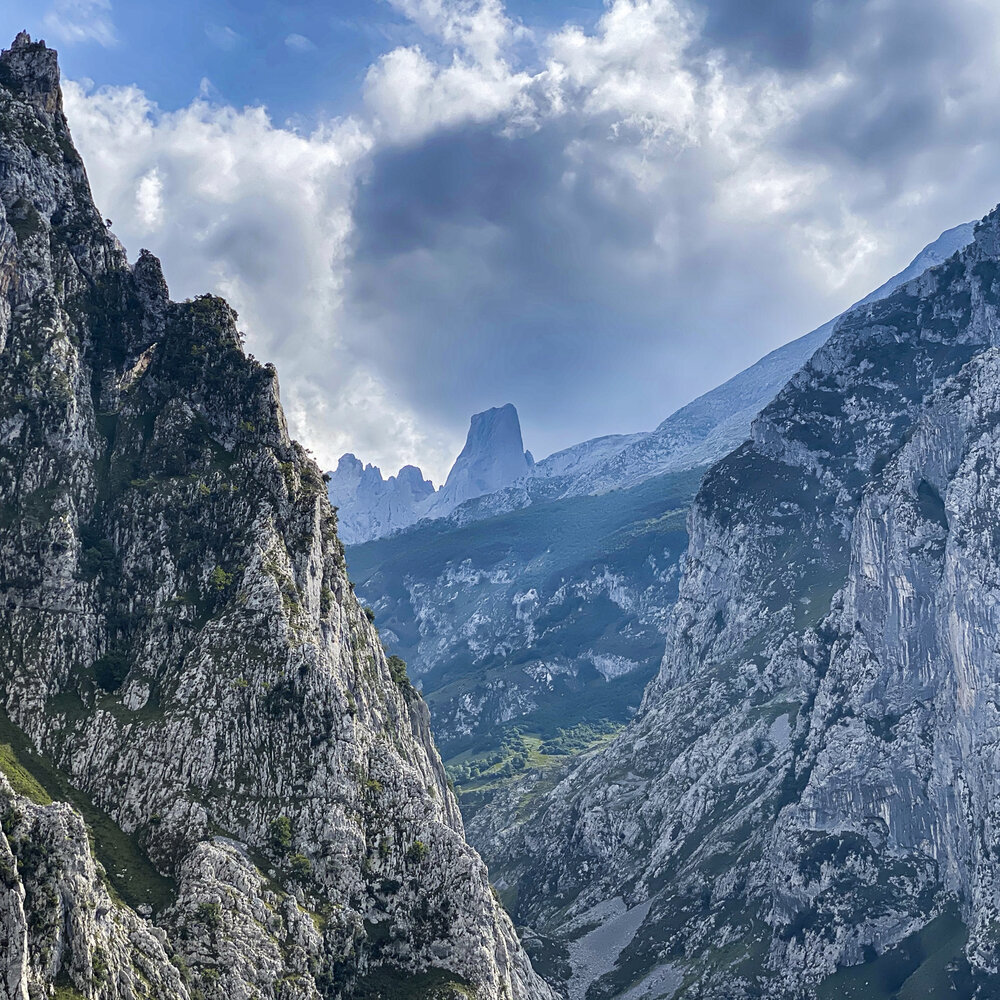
(422, 208)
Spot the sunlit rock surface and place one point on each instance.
(182, 656)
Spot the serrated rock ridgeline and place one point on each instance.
(371, 507)
(180, 641)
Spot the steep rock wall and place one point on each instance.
(178, 634)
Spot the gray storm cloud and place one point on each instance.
(596, 224)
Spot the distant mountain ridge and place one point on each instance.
(371, 507)
(714, 424)
(494, 475)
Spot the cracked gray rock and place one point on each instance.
(179, 637)
(811, 778)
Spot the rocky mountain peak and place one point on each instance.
(149, 276)
(349, 462)
(493, 457)
(493, 431)
(371, 507)
(32, 69)
(413, 479)
(183, 661)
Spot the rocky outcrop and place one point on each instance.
(369, 506)
(58, 919)
(810, 783)
(372, 507)
(493, 457)
(179, 639)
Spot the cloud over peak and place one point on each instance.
(597, 222)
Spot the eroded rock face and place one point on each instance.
(179, 636)
(493, 457)
(812, 776)
(58, 919)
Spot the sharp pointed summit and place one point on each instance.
(493, 457)
(371, 507)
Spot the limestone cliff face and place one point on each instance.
(811, 780)
(58, 919)
(179, 639)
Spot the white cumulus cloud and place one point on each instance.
(539, 215)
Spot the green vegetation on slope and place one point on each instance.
(393, 984)
(496, 760)
(131, 874)
(21, 779)
(518, 609)
(929, 963)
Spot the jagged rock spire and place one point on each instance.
(32, 69)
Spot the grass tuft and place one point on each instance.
(21, 779)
